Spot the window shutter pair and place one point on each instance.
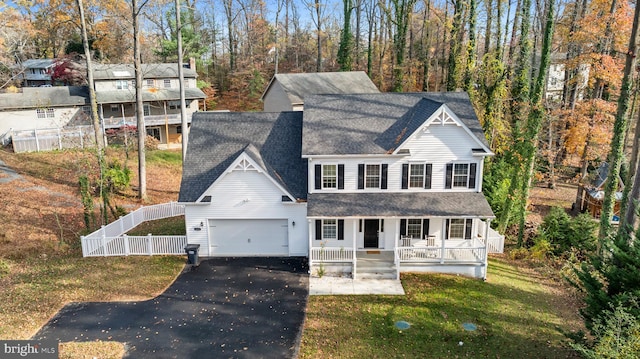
(428, 168)
(384, 168)
(318, 177)
(473, 168)
(340, 229)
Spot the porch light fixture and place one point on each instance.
(201, 224)
(293, 223)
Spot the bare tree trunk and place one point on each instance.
(319, 36)
(142, 132)
(183, 102)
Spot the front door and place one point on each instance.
(371, 231)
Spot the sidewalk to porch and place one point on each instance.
(328, 285)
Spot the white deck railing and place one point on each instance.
(110, 239)
(495, 241)
(463, 251)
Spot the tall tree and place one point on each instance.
(399, 14)
(471, 49)
(345, 52)
(142, 132)
(455, 46)
(619, 131)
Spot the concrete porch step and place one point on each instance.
(376, 271)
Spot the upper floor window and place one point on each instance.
(459, 228)
(150, 82)
(114, 108)
(167, 83)
(174, 105)
(416, 175)
(372, 176)
(122, 84)
(461, 175)
(329, 176)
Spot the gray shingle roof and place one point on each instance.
(216, 139)
(299, 86)
(148, 94)
(41, 97)
(149, 71)
(376, 123)
(394, 204)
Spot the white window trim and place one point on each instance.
(424, 175)
(334, 225)
(453, 174)
(421, 220)
(464, 228)
(366, 174)
(322, 177)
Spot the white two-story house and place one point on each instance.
(394, 178)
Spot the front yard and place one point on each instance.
(517, 314)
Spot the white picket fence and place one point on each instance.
(111, 240)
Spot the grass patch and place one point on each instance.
(173, 226)
(164, 157)
(515, 315)
(37, 287)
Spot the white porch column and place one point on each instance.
(486, 248)
(355, 257)
(444, 234)
(310, 244)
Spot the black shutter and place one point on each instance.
(472, 175)
(359, 225)
(447, 180)
(425, 227)
(446, 230)
(318, 229)
(427, 175)
(382, 225)
(318, 177)
(467, 228)
(383, 181)
(405, 176)
(340, 176)
(361, 176)
(341, 229)
(403, 227)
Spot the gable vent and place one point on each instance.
(244, 165)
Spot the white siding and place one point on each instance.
(247, 195)
(439, 145)
(18, 120)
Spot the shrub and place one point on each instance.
(564, 233)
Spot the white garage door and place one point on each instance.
(248, 237)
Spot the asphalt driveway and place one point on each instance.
(226, 308)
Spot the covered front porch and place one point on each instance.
(409, 240)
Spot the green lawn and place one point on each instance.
(516, 317)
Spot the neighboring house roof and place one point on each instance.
(149, 71)
(148, 94)
(37, 63)
(299, 86)
(602, 173)
(41, 97)
(418, 204)
(376, 123)
(217, 139)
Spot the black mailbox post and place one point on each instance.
(192, 254)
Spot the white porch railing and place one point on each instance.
(495, 240)
(331, 254)
(108, 240)
(463, 251)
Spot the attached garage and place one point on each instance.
(248, 237)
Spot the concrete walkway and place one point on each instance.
(328, 285)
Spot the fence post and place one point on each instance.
(59, 140)
(104, 244)
(126, 244)
(121, 225)
(84, 246)
(150, 244)
(35, 134)
(81, 138)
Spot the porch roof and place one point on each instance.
(399, 204)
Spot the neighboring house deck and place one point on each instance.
(35, 72)
(395, 175)
(286, 92)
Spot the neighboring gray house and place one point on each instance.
(286, 92)
(35, 72)
(115, 91)
(396, 176)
